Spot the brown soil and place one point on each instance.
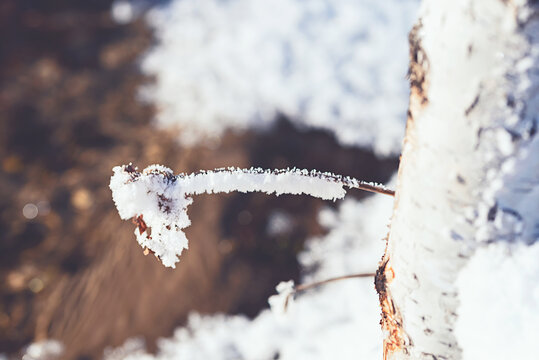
(68, 114)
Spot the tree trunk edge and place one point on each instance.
(397, 342)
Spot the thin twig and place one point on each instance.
(376, 189)
(304, 287)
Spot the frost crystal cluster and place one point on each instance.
(279, 303)
(338, 65)
(157, 200)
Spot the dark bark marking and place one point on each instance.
(533, 129)
(492, 212)
(456, 236)
(511, 102)
(380, 280)
(472, 105)
(418, 68)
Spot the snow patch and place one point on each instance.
(498, 316)
(43, 350)
(336, 321)
(237, 64)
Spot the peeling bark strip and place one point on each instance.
(469, 174)
(418, 70)
(391, 321)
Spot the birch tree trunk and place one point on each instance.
(469, 173)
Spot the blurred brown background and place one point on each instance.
(70, 269)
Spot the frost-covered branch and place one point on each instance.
(157, 199)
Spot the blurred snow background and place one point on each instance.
(236, 64)
(335, 65)
(336, 321)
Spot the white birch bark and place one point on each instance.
(469, 174)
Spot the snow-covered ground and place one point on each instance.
(337, 65)
(499, 313)
(336, 321)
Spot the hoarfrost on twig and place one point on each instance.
(285, 295)
(157, 200)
